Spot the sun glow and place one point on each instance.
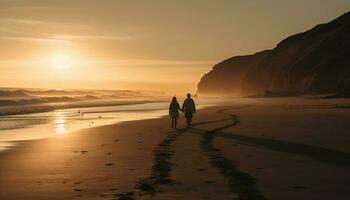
(61, 61)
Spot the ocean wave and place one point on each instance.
(27, 109)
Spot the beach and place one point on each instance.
(267, 148)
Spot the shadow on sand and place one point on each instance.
(321, 154)
(328, 156)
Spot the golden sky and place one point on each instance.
(129, 44)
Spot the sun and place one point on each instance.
(61, 61)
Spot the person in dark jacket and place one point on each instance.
(174, 112)
(189, 108)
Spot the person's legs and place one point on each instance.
(189, 119)
(175, 123)
(172, 123)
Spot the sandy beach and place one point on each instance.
(174, 100)
(263, 149)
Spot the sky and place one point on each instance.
(130, 44)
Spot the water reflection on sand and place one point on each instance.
(60, 123)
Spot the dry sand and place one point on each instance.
(265, 149)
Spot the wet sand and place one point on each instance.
(268, 149)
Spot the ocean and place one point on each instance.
(65, 121)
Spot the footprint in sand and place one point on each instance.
(78, 190)
(77, 183)
(109, 153)
(116, 140)
(109, 164)
(65, 181)
(201, 169)
(83, 152)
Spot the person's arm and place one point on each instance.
(194, 107)
(178, 107)
(170, 109)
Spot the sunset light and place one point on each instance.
(174, 99)
(61, 61)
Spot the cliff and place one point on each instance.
(316, 61)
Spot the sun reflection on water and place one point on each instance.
(60, 123)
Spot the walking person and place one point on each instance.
(174, 112)
(189, 108)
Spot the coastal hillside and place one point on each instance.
(226, 76)
(316, 61)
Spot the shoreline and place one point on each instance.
(13, 143)
(48, 108)
(151, 110)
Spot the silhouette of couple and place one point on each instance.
(188, 107)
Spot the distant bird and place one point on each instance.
(91, 123)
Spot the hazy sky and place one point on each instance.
(141, 44)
